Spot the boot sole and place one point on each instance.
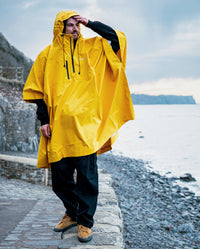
(64, 229)
(85, 240)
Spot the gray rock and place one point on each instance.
(152, 224)
(186, 215)
(186, 228)
(13, 148)
(18, 125)
(24, 147)
(187, 177)
(167, 225)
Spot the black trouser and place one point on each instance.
(80, 197)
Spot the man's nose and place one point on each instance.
(75, 28)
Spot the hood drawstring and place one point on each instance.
(65, 61)
(72, 56)
(79, 65)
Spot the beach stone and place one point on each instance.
(152, 224)
(187, 177)
(186, 228)
(197, 198)
(186, 215)
(167, 225)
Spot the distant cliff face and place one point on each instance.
(143, 99)
(11, 57)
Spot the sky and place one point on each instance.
(163, 37)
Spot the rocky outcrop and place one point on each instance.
(11, 57)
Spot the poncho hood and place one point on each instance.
(86, 92)
(58, 24)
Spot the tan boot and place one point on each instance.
(65, 224)
(84, 233)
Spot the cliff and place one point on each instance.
(11, 57)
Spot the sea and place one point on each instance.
(165, 136)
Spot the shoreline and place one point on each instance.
(193, 183)
(157, 212)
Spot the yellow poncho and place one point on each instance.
(85, 90)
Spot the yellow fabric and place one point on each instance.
(86, 110)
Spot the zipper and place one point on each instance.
(67, 69)
(66, 64)
(79, 65)
(72, 55)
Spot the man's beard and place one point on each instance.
(75, 33)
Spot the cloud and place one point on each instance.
(175, 53)
(26, 5)
(172, 86)
(184, 41)
(163, 37)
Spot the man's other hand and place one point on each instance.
(46, 131)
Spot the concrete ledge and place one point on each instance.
(17, 159)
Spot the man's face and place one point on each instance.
(72, 27)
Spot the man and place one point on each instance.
(81, 91)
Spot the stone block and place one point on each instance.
(110, 209)
(99, 239)
(108, 218)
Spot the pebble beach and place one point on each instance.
(157, 212)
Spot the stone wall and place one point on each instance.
(12, 73)
(19, 128)
(24, 169)
(3, 105)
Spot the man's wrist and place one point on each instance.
(44, 122)
(89, 24)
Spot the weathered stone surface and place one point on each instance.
(3, 105)
(18, 126)
(114, 209)
(108, 218)
(99, 239)
(92, 247)
(103, 202)
(22, 168)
